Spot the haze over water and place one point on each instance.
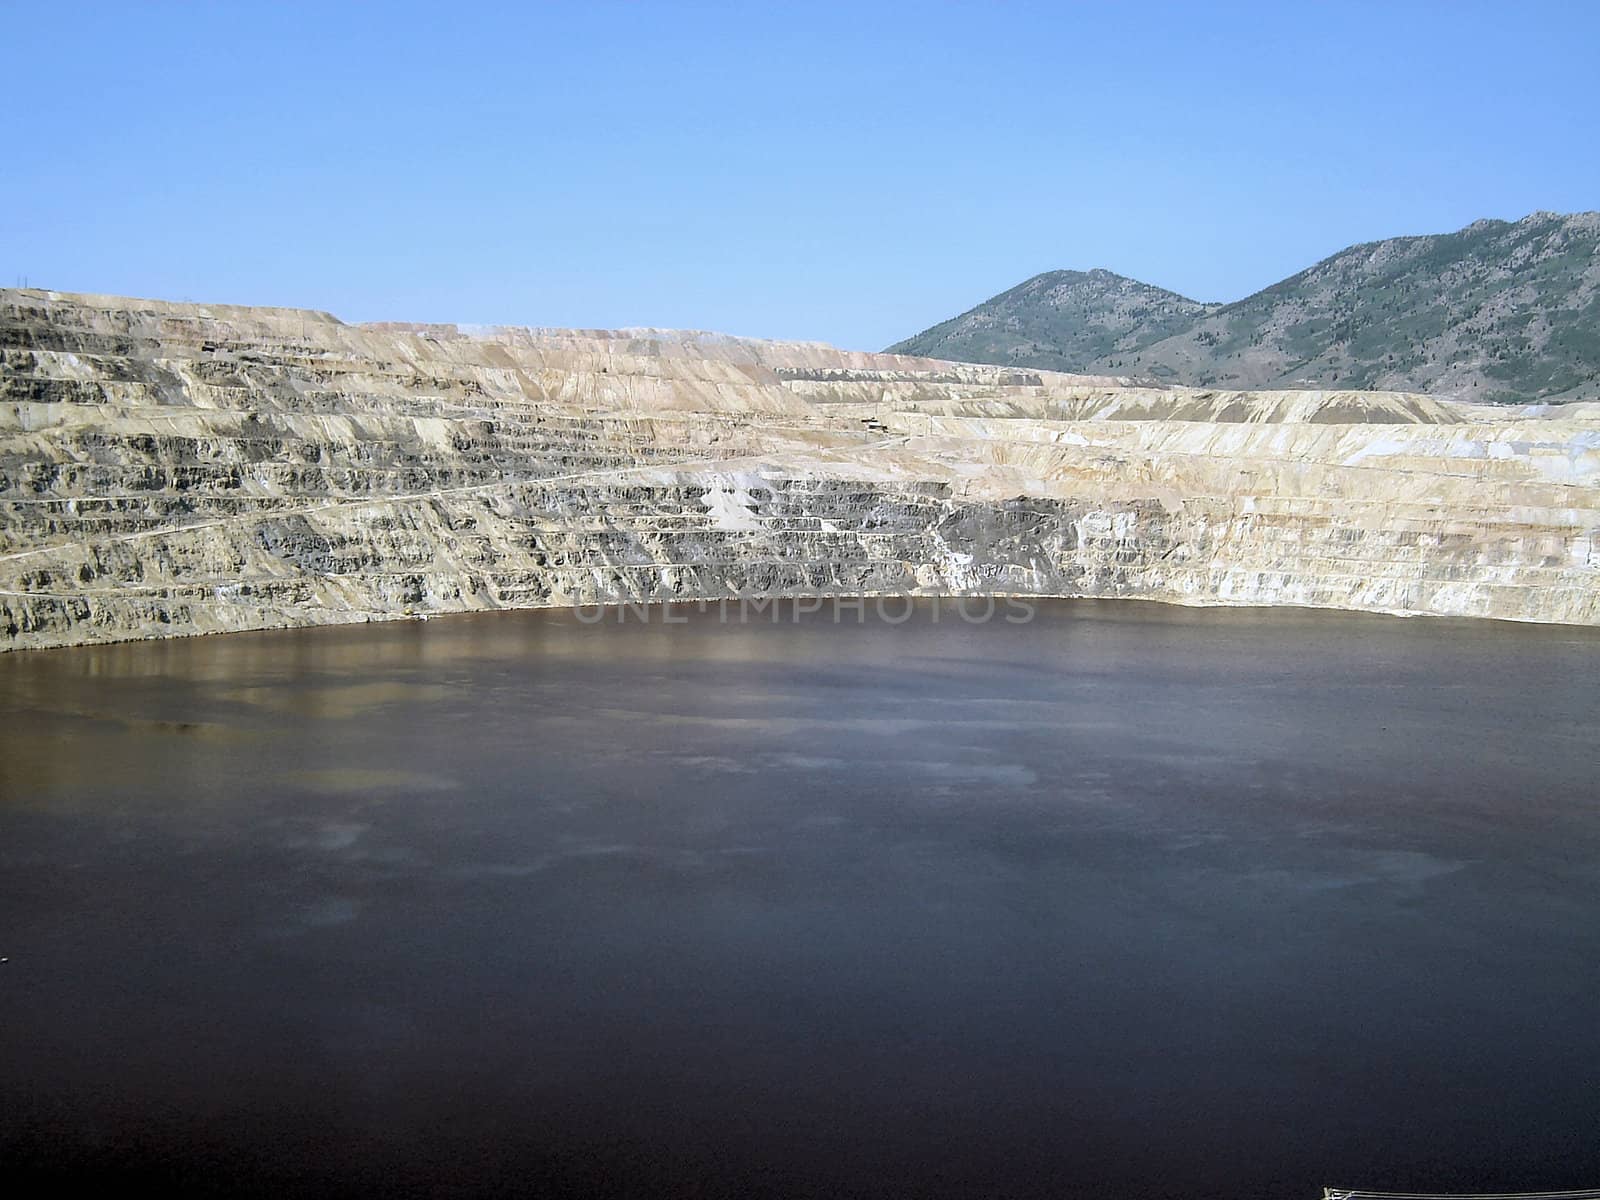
(1129, 900)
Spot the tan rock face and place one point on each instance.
(172, 469)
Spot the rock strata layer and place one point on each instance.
(170, 469)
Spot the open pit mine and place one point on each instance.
(172, 469)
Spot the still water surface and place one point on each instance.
(1127, 901)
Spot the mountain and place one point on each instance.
(1060, 321)
(1500, 310)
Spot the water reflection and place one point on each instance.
(1129, 900)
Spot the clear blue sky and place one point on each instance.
(845, 172)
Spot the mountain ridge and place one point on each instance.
(1505, 311)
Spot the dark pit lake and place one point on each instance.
(1124, 901)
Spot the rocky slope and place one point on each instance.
(1498, 311)
(172, 469)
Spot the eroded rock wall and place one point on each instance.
(172, 469)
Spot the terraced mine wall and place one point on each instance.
(170, 469)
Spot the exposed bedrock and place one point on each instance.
(172, 469)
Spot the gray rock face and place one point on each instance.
(173, 469)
